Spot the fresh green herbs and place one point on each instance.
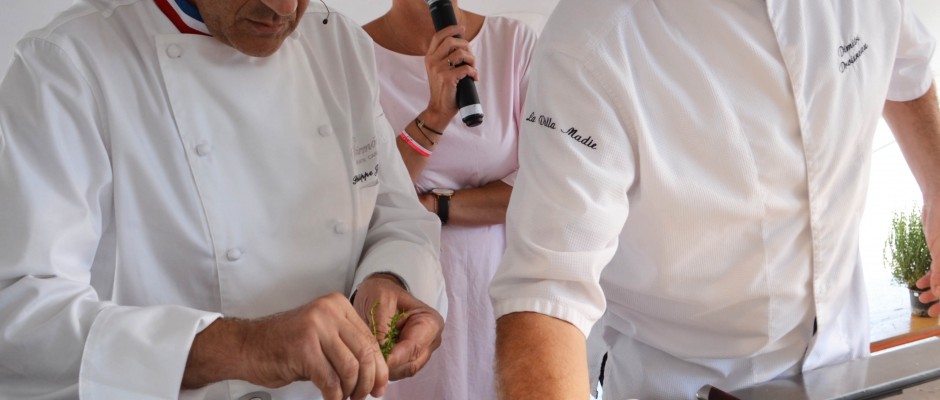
(388, 340)
(906, 253)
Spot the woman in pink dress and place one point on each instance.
(470, 170)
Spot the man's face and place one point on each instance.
(254, 27)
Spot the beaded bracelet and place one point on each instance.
(414, 144)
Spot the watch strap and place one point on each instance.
(443, 208)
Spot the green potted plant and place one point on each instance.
(907, 256)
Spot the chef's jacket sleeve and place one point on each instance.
(403, 237)
(527, 43)
(569, 202)
(911, 76)
(57, 338)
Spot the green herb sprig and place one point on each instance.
(391, 334)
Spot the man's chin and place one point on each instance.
(258, 48)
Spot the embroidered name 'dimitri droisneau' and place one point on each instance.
(548, 122)
(850, 52)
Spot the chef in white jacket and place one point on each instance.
(185, 188)
(713, 156)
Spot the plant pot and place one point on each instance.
(919, 309)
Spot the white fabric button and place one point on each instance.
(822, 290)
(341, 228)
(234, 254)
(174, 51)
(203, 149)
(325, 130)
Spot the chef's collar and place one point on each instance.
(184, 15)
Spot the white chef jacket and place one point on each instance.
(152, 181)
(716, 155)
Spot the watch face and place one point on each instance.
(443, 192)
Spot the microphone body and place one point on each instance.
(468, 101)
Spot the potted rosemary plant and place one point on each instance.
(907, 256)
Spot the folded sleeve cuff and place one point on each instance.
(912, 91)
(551, 307)
(139, 353)
(511, 178)
(418, 269)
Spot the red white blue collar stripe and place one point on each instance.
(184, 15)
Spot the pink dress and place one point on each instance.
(462, 368)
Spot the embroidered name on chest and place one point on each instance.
(367, 162)
(365, 176)
(549, 123)
(850, 52)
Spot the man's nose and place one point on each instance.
(283, 8)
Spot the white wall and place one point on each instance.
(19, 17)
(929, 13)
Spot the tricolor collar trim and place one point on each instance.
(184, 15)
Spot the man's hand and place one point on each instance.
(931, 219)
(325, 342)
(420, 329)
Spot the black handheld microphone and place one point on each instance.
(468, 102)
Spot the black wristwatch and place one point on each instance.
(443, 203)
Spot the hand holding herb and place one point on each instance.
(406, 329)
(391, 334)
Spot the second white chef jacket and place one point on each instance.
(716, 155)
